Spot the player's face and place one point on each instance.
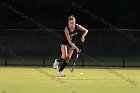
(71, 23)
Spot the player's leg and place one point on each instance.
(61, 58)
(64, 64)
(69, 55)
(66, 61)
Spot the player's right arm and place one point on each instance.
(69, 40)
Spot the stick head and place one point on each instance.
(72, 69)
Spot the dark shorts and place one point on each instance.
(70, 47)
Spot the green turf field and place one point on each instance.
(45, 80)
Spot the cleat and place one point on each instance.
(61, 73)
(55, 64)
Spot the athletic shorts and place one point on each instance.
(70, 47)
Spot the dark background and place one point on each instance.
(103, 47)
(24, 43)
(54, 13)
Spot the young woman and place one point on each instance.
(68, 45)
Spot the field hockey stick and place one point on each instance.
(75, 61)
(73, 66)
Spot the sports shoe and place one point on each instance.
(55, 64)
(61, 73)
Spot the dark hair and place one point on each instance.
(71, 18)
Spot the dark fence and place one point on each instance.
(103, 47)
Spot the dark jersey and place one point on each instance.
(72, 34)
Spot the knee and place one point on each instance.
(68, 58)
(63, 57)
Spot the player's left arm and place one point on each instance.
(81, 28)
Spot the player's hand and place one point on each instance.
(82, 39)
(77, 50)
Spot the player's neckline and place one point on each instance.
(72, 29)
